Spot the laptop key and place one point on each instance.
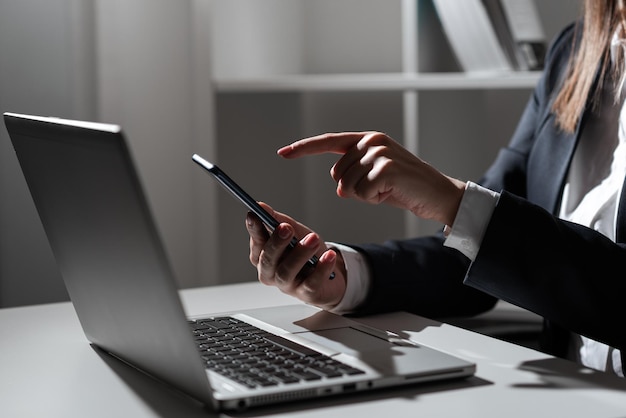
(306, 375)
(290, 345)
(326, 371)
(285, 378)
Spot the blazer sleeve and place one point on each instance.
(571, 275)
(420, 276)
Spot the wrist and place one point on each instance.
(454, 201)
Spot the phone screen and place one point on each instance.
(241, 195)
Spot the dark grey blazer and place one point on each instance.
(571, 275)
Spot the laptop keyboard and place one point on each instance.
(255, 358)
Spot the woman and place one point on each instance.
(543, 229)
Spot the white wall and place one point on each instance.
(46, 67)
(143, 64)
(154, 80)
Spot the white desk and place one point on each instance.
(48, 369)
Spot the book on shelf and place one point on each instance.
(493, 35)
(519, 30)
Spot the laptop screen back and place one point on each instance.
(98, 222)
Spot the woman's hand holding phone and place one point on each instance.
(280, 265)
(298, 267)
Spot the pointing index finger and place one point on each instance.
(335, 143)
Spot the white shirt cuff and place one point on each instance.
(472, 219)
(357, 279)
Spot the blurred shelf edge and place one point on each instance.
(378, 82)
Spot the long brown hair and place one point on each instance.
(601, 18)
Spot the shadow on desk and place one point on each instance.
(164, 400)
(556, 373)
(505, 322)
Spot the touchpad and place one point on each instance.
(384, 356)
(347, 340)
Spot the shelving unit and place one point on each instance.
(370, 65)
(398, 82)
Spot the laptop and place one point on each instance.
(95, 214)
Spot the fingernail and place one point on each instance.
(311, 240)
(284, 150)
(329, 256)
(283, 231)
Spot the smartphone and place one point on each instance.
(229, 184)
